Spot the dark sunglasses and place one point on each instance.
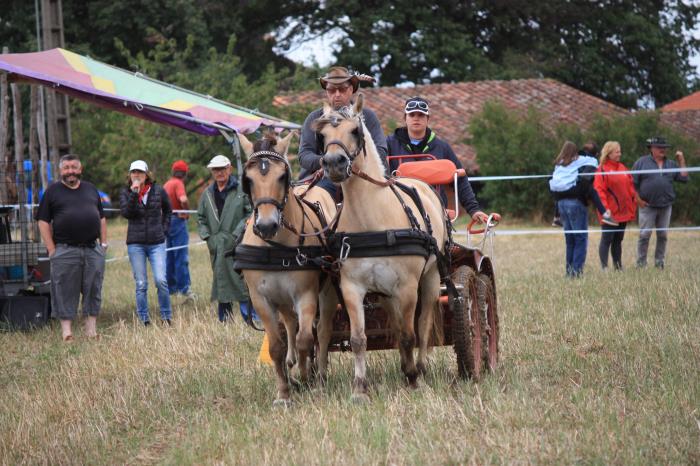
(417, 104)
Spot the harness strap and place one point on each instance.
(386, 182)
(409, 213)
(413, 194)
(248, 257)
(404, 242)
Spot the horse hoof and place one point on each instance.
(413, 385)
(359, 398)
(284, 403)
(294, 383)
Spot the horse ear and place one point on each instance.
(245, 144)
(326, 108)
(359, 103)
(283, 144)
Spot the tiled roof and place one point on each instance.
(689, 102)
(687, 121)
(453, 105)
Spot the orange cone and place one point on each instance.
(264, 356)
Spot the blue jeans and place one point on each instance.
(246, 307)
(179, 259)
(155, 253)
(574, 216)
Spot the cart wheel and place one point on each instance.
(466, 325)
(488, 313)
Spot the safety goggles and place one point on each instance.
(417, 106)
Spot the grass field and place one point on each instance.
(603, 369)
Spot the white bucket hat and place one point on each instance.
(219, 161)
(139, 165)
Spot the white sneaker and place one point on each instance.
(608, 220)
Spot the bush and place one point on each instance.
(508, 143)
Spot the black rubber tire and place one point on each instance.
(466, 325)
(488, 312)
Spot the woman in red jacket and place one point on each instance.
(618, 195)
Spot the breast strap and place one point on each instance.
(404, 242)
(247, 257)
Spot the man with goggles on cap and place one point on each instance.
(340, 86)
(417, 138)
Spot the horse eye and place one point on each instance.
(356, 131)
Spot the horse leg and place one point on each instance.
(429, 299)
(328, 305)
(306, 309)
(353, 298)
(277, 354)
(290, 326)
(407, 339)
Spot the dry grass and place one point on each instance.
(598, 370)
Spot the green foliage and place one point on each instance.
(511, 144)
(109, 141)
(623, 51)
(508, 144)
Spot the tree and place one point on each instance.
(623, 51)
(96, 26)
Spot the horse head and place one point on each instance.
(343, 133)
(267, 180)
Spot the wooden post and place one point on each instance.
(4, 131)
(57, 109)
(19, 166)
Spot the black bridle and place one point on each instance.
(349, 156)
(262, 159)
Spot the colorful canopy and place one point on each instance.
(133, 93)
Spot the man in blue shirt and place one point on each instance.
(655, 196)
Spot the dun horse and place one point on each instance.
(371, 204)
(276, 256)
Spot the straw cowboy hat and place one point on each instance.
(339, 75)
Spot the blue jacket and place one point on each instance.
(400, 144)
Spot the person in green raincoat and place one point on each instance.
(221, 216)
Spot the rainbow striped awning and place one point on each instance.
(132, 93)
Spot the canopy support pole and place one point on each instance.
(232, 138)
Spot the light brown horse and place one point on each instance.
(285, 287)
(351, 159)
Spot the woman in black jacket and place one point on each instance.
(146, 206)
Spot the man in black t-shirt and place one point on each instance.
(73, 227)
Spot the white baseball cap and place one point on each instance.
(219, 161)
(138, 165)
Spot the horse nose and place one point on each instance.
(335, 160)
(267, 227)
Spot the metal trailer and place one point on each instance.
(24, 265)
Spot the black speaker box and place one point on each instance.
(24, 312)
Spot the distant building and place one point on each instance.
(683, 115)
(453, 105)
